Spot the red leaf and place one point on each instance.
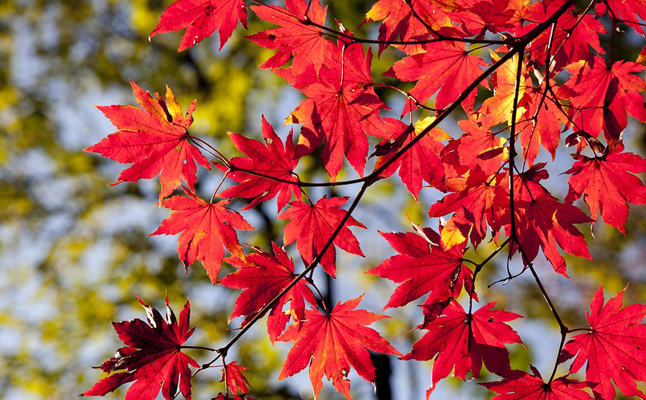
(462, 342)
(476, 202)
(155, 139)
(442, 63)
(311, 226)
(204, 228)
(614, 348)
(236, 381)
(273, 159)
(297, 36)
(201, 18)
(152, 359)
(399, 22)
(422, 268)
(543, 126)
(340, 108)
(523, 386)
(419, 163)
(334, 342)
(608, 184)
(602, 96)
(263, 276)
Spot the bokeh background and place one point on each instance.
(74, 251)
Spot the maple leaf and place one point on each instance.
(543, 126)
(501, 104)
(398, 22)
(608, 184)
(263, 276)
(542, 221)
(614, 348)
(274, 159)
(334, 342)
(462, 342)
(236, 381)
(297, 36)
(311, 226)
(479, 147)
(601, 96)
(423, 268)
(153, 358)
(154, 138)
(201, 18)
(341, 107)
(523, 386)
(421, 162)
(441, 63)
(628, 12)
(474, 204)
(223, 396)
(571, 40)
(204, 228)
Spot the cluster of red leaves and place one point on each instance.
(487, 192)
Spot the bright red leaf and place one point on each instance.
(273, 159)
(334, 342)
(153, 358)
(201, 18)
(462, 342)
(155, 139)
(523, 386)
(614, 349)
(608, 184)
(601, 95)
(235, 380)
(421, 162)
(204, 229)
(446, 67)
(263, 276)
(340, 109)
(297, 36)
(311, 226)
(423, 268)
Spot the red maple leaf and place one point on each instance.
(628, 12)
(600, 96)
(235, 380)
(204, 228)
(155, 139)
(399, 22)
(273, 159)
(541, 125)
(421, 162)
(523, 386)
(297, 36)
(545, 222)
(571, 40)
(462, 342)
(153, 358)
(475, 203)
(441, 63)
(340, 108)
(479, 147)
(608, 184)
(201, 18)
(423, 268)
(614, 347)
(311, 226)
(263, 276)
(541, 220)
(334, 342)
